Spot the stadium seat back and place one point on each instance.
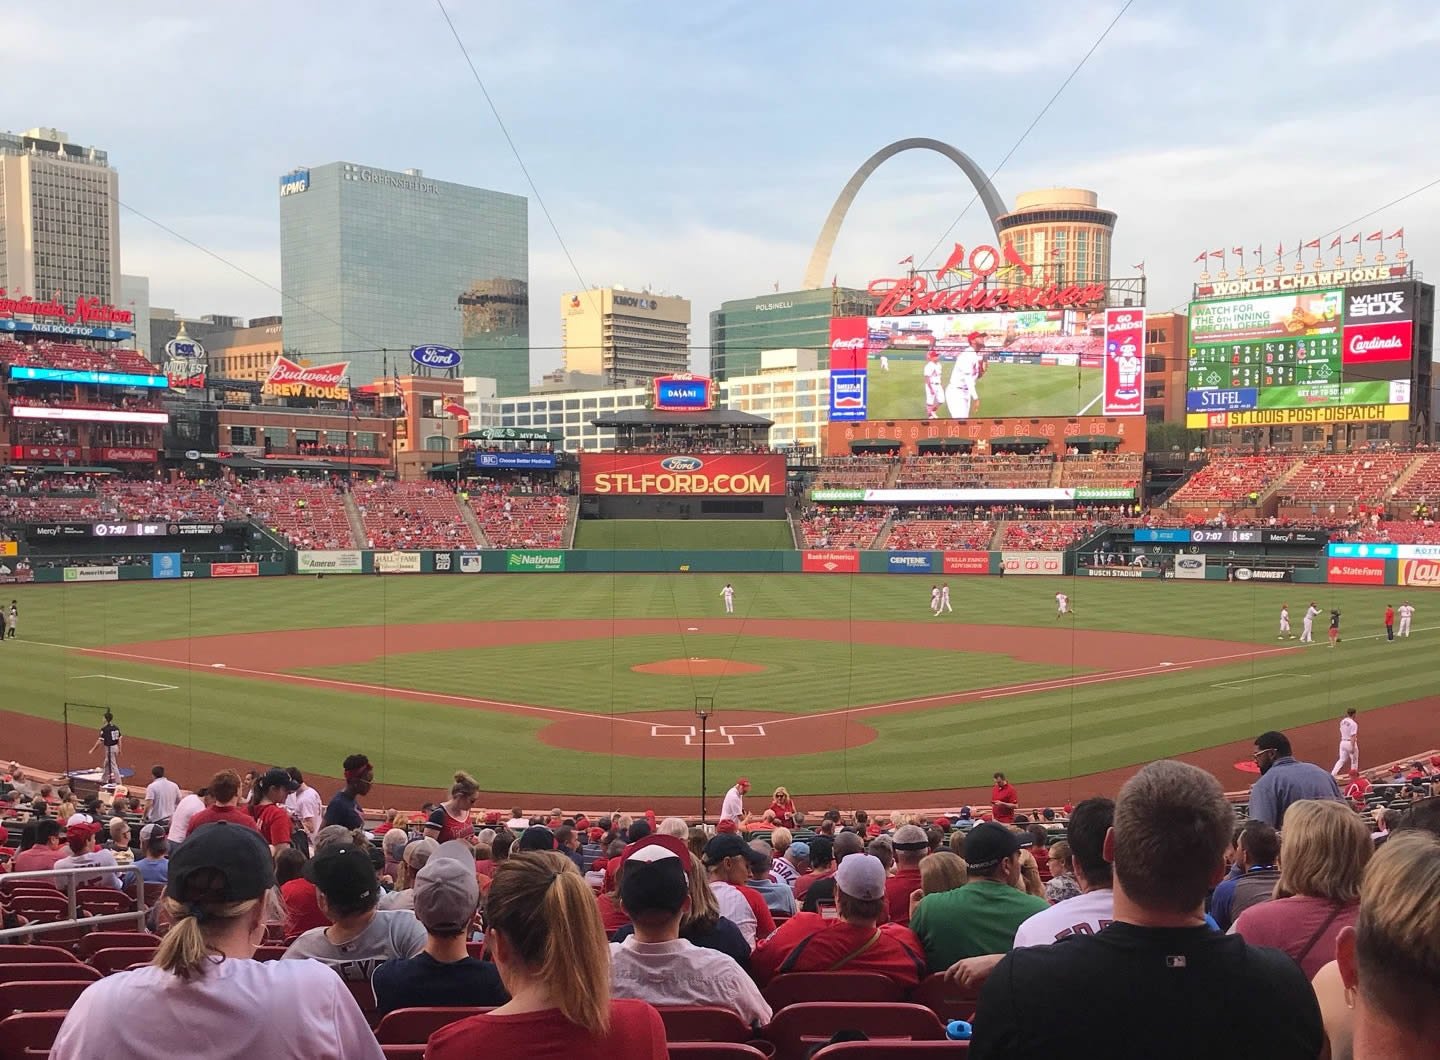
(96, 941)
(39, 954)
(703, 1023)
(892, 1050)
(39, 995)
(795, 987)
(270, 953)
(797, 1029)
(58, 971)
(948, 1000)
(413, 1026)
(29, 1035)
(716, 1051)
(119, 958)
(98, 901)
(403, 1052)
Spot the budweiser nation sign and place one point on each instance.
(288, 379)
(1012, 289)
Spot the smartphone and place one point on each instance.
(829, 911)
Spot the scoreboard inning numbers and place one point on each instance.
(1262, 363)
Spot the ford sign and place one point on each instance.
(682, 463)
(435, 357)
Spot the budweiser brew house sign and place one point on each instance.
(325, 381)
(1013, 288)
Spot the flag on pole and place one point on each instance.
(1200, 257)
(1354, 239)
(1314, 244)
(835, 280)
(907, 261)
(1239, 252)
(1139, 268)
(1379, 234)
(1260, 254)
(1334, 243)
(1218, 253)
(1399, 234)
(1279, 251)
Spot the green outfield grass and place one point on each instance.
(1005, 390)
(1033, 736)
(680, 534)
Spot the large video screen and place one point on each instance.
(967, 365)
(1301, 357)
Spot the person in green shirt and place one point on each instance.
(983, 916)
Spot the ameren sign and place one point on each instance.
(645, 474)
(1285, 417)
(1300, 281)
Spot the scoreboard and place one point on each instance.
(1271, 362)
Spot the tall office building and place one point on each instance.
(741, 329)
(375, 262)
(627, 337)
(495, 328)
(1062, 233)
(59, 225)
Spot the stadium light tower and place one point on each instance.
(704, 708)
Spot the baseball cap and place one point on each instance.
(596, 834)
(942, 823)
(447, 891)
(800, 850)
(80, 818)
(911, 837)
(80, 831)
(861, 876)
(149, 831)
(655, 877)
(988, 844)
(536, 837)
(276, 778)
(239, 856)
(343, 873)
(419, 851)
(727, 827)
(724, 846)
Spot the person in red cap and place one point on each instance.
(733, 806)
(80, 835)
(1358, 789)
(934, 385)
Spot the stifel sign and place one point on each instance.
(912, 294)
(288, 379)
(645, 474)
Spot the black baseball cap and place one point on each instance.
(233, 862)
(988, 844)
(536, 837)
(277, 778)
(343, 873)
(654, 879)
(725, 845)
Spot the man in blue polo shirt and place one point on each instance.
(1283, 780)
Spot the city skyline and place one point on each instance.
(1245, 147)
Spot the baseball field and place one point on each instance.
(587, 684)
(1005, 389)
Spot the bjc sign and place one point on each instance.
(644, 474)
(1355, 571)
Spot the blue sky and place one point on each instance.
(696, 148)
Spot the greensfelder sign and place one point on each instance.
(1104, 493)
(837, 495)
(537, 559)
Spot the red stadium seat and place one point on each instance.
(39, 995)
(703, 1023)
(403, 1052)
(29, 1035)
(364, 995)
(270, 953)
(799, 1028)
(887, 1050)
(38, 954)
(714, 1051)
(794, 987)
(96, 941)
(121, 958)
(413, 1026)
(56, 972)
(945, 998)
(98, 901)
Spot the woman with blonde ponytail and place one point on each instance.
(548, 944)
(203, 993)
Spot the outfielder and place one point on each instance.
(1285, 633)
(728, 594)
(1062, 605)
(934, 385)
(945, 598)
(1349, 744)
(1307, 624)
(1406, 613)
(961, 396)
(934, 599)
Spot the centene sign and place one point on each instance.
(612, 474)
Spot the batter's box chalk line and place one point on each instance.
(721, 736)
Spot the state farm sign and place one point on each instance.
(1355, 571)
(646, 474)
(289, 379)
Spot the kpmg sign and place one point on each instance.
(294, 183)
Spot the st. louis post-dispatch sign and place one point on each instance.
(711, 474)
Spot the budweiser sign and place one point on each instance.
(913, 294)
(288, 379)
(84, 311)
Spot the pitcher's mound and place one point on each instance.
(697, 667)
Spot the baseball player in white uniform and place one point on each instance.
(961, 395)
(934, 385)
(934, 599)
(1285, 633)
(1307, 624)
(1406, 612)
(884, 363)
(1062, 605)
(945, 598)
(1349, 744)
(728, 595)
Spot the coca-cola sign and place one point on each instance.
(289, 379)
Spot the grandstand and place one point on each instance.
(310, 515)
(939, 534)
(1229, 481)
(522, 520)
(70, 357)
(853, 472)
(842, 527)
(411, 515)
(1045, 535)
(957, 470)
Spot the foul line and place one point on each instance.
(156, 685)
(1250, 680)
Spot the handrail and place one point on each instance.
(69, 877)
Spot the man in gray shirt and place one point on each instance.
(1283, 780)
(360, 937)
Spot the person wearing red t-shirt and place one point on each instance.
(224, 805)
(49, 848)
(1004, 800)
(453, 815)
(267, 808)
(783, 807)
(911, 845)
(550, 949)
(1358, 789)
(855, 942)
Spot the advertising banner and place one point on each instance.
(345, 561)
(92, 574)
(1123, 383)
(442, 562)
(1104, 493)
(968, 562)
(470, 563)
(539, 560)
(1377, 342)
(1278, 316)
(185, 362)
(683, 393)
(1364, 550)
(1380, 303)
(1294, 537)
(908, 562)
(1033, 562)
(1422, 572)
(77, 375)
(837, 495)
(514, 460)
(1120, 572)
(848, 394)
(1371, 413)
(830, 561)
(1190, 567)
(18, 573)
(9, 548)
(289, 379)
(52, 454)
(234, 570)
(1162, 533)
(57, 531)
(1355, 571)
(164, 565)
(1256, 574)
(649, 474)
(397, 562)
(112, 455)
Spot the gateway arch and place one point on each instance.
(820, 256)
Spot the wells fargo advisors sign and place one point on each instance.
(289, 379)
(713, 474)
